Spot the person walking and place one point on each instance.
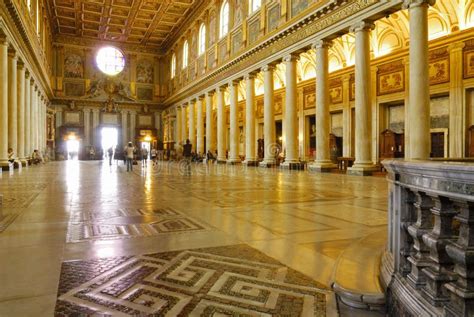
(110, 153)
(144, 156)
(128, 151)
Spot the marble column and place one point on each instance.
(192, 125)
(27, 149)
(250, 137)
(21, 111)
(234, 124)
(125, 137)
(87, 126)
(33, 93)
(363, 164)
(133, 123)
(419, 104)
(200, 127)
(184, 130)
(346, 118)
(178, 129)
(210, 135)
(3, 102)
(323, 117)
(269, 117)
(292, 160)
(12, 101)
(221, 126)
(95, 129)
(456, 104)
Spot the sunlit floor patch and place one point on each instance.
(224, 281)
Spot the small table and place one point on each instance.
(344, 162)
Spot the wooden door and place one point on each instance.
(470, 140)
(437, 144)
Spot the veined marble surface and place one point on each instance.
(74, 210)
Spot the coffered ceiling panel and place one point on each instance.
(144, 22)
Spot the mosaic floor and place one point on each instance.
(224, 281)
(84, 238)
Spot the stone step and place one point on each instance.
(356, 275)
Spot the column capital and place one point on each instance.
(210, 93)
(3, 38)
(201, 97)
(458, 46)
(234, 82)
(293, 57)
(20, 64)
(322, 44)
(346, 77)
(409, 4)
(27, 74)
(268, 68)
(12, 52)
(365, 26)
(192, 101)
(222, 88)
(250, 75)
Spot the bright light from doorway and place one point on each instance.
(109, 138)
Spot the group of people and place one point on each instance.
(132, 155)
(35, 158)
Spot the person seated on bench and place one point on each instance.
(36, 157)
(11, 157)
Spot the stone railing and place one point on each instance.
(428, 267)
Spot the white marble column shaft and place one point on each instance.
(363, 127)
(32, 115)
(184, 130)
(12, 101)
(21, 110)
(125, 137)
(210, 133)
(323, 117)
(178, 127)
(27, 149)
(250, 137)
(192, 125)
(3, 102)
(87, 126)
(291, 114)
(234, 124)
(419, 98)
(221, 126)
(269, 117)
(133, 124)
(200, 127)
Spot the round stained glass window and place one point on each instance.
(110, 60)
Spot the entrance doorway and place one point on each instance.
(72, 147)
(109, 140)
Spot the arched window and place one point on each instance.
(173, 66)
(224, 19)
(185, 54)
(254, 5)
(202, 39)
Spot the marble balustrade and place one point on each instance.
(428, 265)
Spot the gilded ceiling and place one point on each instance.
(143, 22)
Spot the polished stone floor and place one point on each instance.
(85, 231)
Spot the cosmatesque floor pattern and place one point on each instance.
(224, 281)
(85, 238)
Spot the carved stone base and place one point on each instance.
(250, 163)
(462, 302)
(234, 162)
(293, 166)
(322, 167)
(221, 161)
(362, 169)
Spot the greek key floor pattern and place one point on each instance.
(223, 281)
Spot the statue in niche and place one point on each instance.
(145, 109)
(72, 106)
